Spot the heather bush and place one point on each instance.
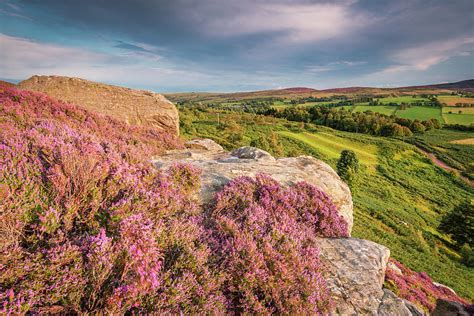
(417, 287)
(88, 226)
(263, 237)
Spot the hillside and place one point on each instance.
(401, 196)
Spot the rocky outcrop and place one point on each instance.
(219, 167)
(393, 305)
(136, 107)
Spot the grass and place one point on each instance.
(387, 110)
(420, 113)
(331, 146)
(400, 197)
(456, 118)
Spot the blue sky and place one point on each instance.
(218, 45)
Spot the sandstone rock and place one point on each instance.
(448, 308)
(356, 274)
(204, 144)
(248, 152)
(136, 107)
(392, 305)
(218, 168)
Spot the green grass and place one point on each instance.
(401, 99)
(463, 119)
(387, 110)
(400, 196)
(331, 146)
(420, 113)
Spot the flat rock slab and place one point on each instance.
(219, 167)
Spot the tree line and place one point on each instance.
(367, 122)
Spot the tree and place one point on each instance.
(459, 223)
(348, 166)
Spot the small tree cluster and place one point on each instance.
(348, 166)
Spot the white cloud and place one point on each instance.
(422, 57)
(290, 22)
(337, 65)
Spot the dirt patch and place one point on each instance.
(466, 141)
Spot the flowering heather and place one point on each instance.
(264, 240)
(88, 226)
(417, 287)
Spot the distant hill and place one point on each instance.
(303, 92)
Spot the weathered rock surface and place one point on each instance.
(393, 305)
(136, 107)
(356, 274)
(219, 167)
(204, 144)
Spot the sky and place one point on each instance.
(240, 45)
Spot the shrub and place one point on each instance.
(348, 166)
(88, 226)
(263, 237)
(460, 224)
(417, 287)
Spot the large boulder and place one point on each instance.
(356, 274)
(219, 167)
(136, 107)
(449, 308)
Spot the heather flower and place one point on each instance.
(417, 287)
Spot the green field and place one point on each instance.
(331, 146)
(455, 118)
(455, 110)
(420, 113)
(401, 99)
(387, 110)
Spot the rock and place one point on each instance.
(392, 266)
(449, 308)
(218, 168)
(356, 274)
(248, 152)
(204, 144)
(392, 305)
(136, 107)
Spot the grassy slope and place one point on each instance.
(398, 204)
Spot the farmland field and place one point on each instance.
(462, 119)
(420, 113)
(455, 110)
(451, 100)
(401, 99)
(384, 109)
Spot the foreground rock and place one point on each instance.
(219, 167)
(356, 274)
(136, 107)
(448, 308)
